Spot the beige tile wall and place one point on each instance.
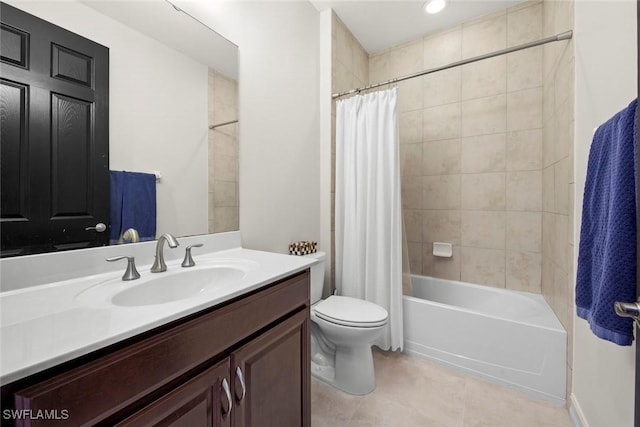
(557, 174)
(350, 68)
(471, 147)
(487, 149)
(223, 154)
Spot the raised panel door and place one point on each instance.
(54, 111)
(203, 401)
(271, 377)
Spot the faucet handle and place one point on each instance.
(188, 260)
(131, 273)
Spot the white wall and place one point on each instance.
(326, 106)
(606, 81)
(157, 111)
(279, 119)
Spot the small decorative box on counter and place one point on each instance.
(303, 247)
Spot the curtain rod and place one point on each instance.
(560, 36)
(223, 124)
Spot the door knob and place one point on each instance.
(628, 309)
(100, 227)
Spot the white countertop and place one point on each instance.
(45, 325)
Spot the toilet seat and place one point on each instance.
(354, 312)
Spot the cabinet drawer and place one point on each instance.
(107, 385)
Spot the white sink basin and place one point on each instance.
(187, 284)
(209, 279)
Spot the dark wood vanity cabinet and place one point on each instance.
(273, 370)
(201, 401)
(256, 347)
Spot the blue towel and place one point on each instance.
(607, 256)
(133, 204)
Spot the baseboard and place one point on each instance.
(576, 414)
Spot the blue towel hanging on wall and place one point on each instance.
(133, 204)
(607, 256)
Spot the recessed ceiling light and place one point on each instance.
(434, 6)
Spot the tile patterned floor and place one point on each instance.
(412, 392)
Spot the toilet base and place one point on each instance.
(347, 350)
(324, 373)
(353, 370)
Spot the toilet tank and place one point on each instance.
(317, 276)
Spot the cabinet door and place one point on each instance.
(201, 401)
(271, 377)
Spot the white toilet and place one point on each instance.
(342, 332)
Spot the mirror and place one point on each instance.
(171, 78)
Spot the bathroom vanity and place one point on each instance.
(239, 359)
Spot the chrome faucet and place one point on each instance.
(131, 273)
(188, 259)
(159, 264)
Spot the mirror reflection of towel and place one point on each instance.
(607, 256)
(133, 204)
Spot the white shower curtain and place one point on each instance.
(368, 215)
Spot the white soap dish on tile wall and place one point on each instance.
(444, 250)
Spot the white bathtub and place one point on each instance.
(506, 336)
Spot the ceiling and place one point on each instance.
(379, 25)
(161, 21)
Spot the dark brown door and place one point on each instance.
(54, 88)
(201, 402)
(270, 377)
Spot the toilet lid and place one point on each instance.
(349, 311)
